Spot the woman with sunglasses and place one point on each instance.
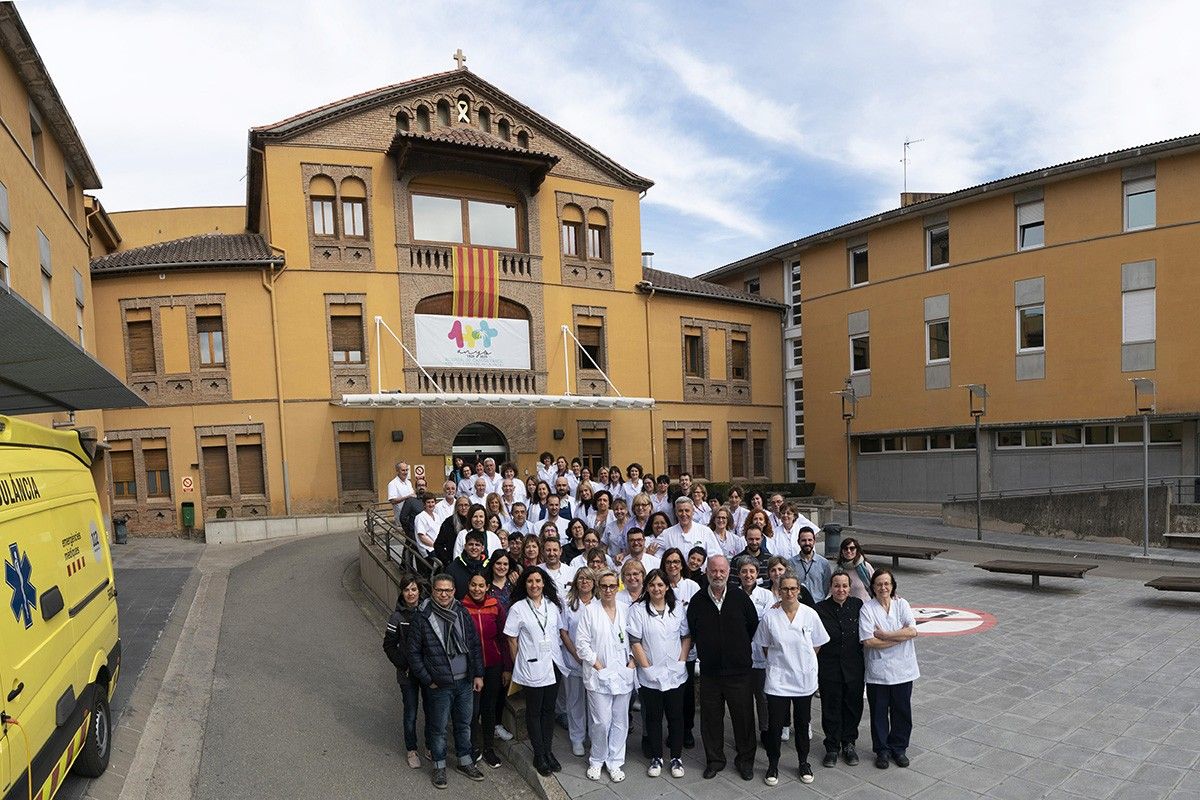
(603, 648)
(853, 563)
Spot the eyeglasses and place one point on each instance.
(608, 587)
(789, 589)
(449, 590)
(849, 547)
(673, 561)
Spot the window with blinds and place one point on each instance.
(759, 455)
(737, 458)
(739, 352)
(594, 450)
(346, 332)
(251, 478)
(1031, 225)
(140, 335)
(123, 477)
(1137, 316)
(1140, 203)
(158, 477)
(591, 345)
(674, 455)
(699, 466)
(215, 461)
(357, 475)
(210, 335)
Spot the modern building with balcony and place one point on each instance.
(290, 349)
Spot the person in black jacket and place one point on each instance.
(472, 562)
(444, 654)
(723, 623)
(395, 644)
(443, 546)
(840, 671)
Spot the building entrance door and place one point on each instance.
(480, 440)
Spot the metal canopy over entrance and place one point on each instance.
(43, 371)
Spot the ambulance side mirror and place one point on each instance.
(51, 602)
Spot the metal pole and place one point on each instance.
(1146, 485)
(849, 494)
(978, 498)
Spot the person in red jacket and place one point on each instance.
(488, 615)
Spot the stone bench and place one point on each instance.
(1036, 569)
(899, 551)
(1175, 583)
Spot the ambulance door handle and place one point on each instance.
(52, 603)
(16, 692)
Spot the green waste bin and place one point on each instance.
(188, 515)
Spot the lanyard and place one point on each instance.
(541, 619)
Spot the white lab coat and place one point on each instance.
(536, 632)
(599, 638)
(791, 659)
(895, 664)
(660, 636)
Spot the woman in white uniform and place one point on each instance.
(762, 598)
(581, 593)
(887, 628)
(603, 647)
(660, 640)
(532, 631)
(789, 636)
(685, 589)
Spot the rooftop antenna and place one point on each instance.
(907, 143)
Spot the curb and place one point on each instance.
(1054, 549)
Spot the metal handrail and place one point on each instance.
(384, 534)
(1183, 484)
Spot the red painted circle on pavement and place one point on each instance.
(939, 620)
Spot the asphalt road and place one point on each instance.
(305, 704)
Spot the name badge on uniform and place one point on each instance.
(545, 646)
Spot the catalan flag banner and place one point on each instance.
(476, 282)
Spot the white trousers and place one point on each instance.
(608, 721)
(575, 707)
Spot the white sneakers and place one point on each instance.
(593, 772)
(655, 768)
(676, 768)
(617, 775)
(503, 733)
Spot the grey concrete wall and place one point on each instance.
(915, 477)
(1035, 467)
(1113, 514)
(228, 531)
(1185, 518)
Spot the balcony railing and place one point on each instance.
(470, 381)
(432, 258)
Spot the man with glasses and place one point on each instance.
(445, 656)
(723, 624)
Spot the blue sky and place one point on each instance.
(760, 121)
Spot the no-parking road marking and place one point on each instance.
(949, 621)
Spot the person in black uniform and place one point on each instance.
(840, 671)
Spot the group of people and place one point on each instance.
(600, 603)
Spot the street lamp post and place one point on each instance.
(849, 409)
(977, 395)
(1144, 403)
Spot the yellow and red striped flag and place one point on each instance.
(476, 282)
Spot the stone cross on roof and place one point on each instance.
(460, 58)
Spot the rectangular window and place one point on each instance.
(591, 346)
(47, 274)
(893, 444)
(437, 219)
(1068, 436)
(47, 297)
(210, 336)
(739, 354)
(797, 353)
(5, 230)
(251, 478)
(860, 352)
(1139, 203)
(594, 450)
(674, 455)
(141, 345)
(693, 355)
(215, 460)
(595, 242)
(1129, 434)
(1008, 439)
(870, 444)
(753, 286)
(492, 224)
(80, 301)
(1039, 437)
(79, 324)
(937, 246)
(1031, 225)
(699, 467)
(737, 458)
(937, 341)
(964, 440)
(1161, 432)
(916, 444)
(940, 441)
(346, 333)
(570, 238)
(158, 477)
(795, 292)
(72, 203)
(354, 454)
(39, 143)
(354, 222)
(1098, 434)
(759, 455)
(859, 273)
(123, 476)
(1137, 316)
(1031, 328)
(798, 412)
(322, 208)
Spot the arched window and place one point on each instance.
(354, 207)
(572, 230)
(523, 140)
(504, 130)
(597, 234)
(484, 115)
(402, 121)
(443, 113)
(423, 119)
(443, 304)
(322, 193)
(462, 104)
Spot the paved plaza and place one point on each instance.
(1083, 688)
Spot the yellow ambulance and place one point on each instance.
(60, 653)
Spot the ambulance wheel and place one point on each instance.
(93, 759)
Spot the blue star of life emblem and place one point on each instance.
(16, 575)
